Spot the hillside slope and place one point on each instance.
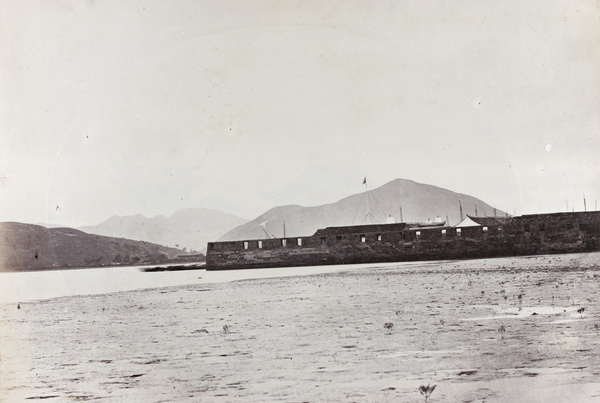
(419, 202)
(188, 228)
(33, 247)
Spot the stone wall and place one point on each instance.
(524, 235)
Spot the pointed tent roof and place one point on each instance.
(471, 221)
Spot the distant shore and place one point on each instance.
(170, 265)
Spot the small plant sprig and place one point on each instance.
(501, 330)
(426, 391)
(225, 328)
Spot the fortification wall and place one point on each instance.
(525, 235)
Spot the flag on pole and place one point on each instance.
(365, 181)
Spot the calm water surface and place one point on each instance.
(27, 286)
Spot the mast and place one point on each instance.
(368, 202)
(369, 205)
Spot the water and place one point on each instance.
(27, 286)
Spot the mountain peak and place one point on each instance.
(190, 228)
(403, 200)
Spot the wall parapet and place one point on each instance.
(521, 235)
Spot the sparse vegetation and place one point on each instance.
(426, 391)
(465, 353)
(501, 330)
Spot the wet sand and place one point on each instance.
(322, 337)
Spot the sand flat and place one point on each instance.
(320, 337)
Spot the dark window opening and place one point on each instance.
(542, 226)
(323, 240)
(211, 246)
(338, 238)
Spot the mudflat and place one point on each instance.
(493, 330)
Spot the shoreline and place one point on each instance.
(43, 285)
(494, 330)
(157, 264)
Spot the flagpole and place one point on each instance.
(366, 197)
(368, 202)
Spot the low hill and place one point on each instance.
(33, 247)
(419, 203)
(189, 228)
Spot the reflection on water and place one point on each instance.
(25, 286)
(58, 283)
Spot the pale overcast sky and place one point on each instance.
(124, 107)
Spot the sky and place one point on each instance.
(148, 107)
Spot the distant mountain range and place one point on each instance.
(189, 228)
(419, 203)
(33, 247)
(118, 239)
